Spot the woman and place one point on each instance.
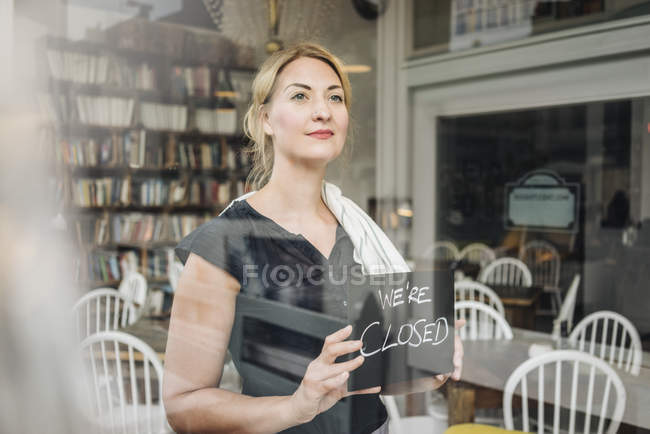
(298, 123)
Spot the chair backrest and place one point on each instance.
(134, 287)
(483, 322)
(124, 383)
(576, 387)
(441, 250)
(103, 309)
(543, 261)
(174, 270)
(476, 291)
(568, 308)
(624, 348)
(506, 271)
(477, 253)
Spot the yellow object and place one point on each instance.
(475, 428)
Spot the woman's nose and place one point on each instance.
(321, 112)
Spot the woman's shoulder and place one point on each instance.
(218, 237)
(231, 218)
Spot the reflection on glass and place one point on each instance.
(595, 151)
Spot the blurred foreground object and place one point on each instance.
(37, 365)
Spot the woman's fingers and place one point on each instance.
(330, 348)
(459, 324)
(331, 351)
(337, 368)
(335, 382)
(339, 335)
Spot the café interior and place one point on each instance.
(504, 144)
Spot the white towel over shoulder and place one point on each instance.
(372, 248)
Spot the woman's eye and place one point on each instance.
(299, 96)
(337, 98)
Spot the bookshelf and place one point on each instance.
(145, 146)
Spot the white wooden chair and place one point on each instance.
(506, 271)
(477, 253)
(124, 394)
(134, 287)
(624, 349)
(567, 309)
(476, 291)
(411, 424)
(483, 322)
(103, 309)
(569, 377)
(441, 250)
(543, 261)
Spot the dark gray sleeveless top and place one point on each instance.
(264, 257)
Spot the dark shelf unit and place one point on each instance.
(70, 128)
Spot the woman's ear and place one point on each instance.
(264, 115)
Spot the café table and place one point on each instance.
(153, 331)
(520, 303)
(488, 364)
(468, 269)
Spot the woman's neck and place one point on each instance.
(296, 191)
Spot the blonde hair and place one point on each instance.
(261, 145)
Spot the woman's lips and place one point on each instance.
(321, 134)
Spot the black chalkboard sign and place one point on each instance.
(400, 317)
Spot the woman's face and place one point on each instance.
(306, 116)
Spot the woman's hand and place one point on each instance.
(458, 357)
(326, 382)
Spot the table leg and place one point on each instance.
(461, 402)
(415, 404)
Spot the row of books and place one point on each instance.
(181, 192)
(134, 228)
(157, 260)
(100, 266)
(124, 191)
(164, 116)
(119, 149)
(54, 108)
(190, 81)
(153, 192)
(157, 263)
(206, 192)
(105, 110)
(91, 230)
(218, 155)
(136, 149)
(105, 191)
(110, 265)
(118, 112)
(144, 228)
(217, 121)
(99, 69)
